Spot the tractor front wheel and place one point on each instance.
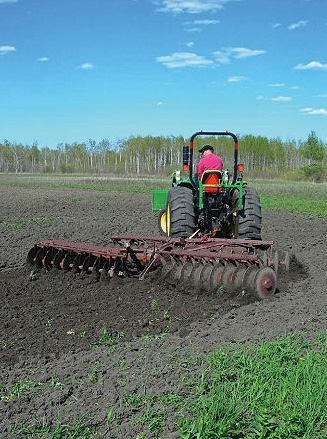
(180, 212)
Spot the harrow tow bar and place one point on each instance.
(226, 265)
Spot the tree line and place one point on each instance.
(160, 155)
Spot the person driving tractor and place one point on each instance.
(209, 160)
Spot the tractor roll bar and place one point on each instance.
(214, 133)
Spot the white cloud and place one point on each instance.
(243, 52)
(322, 95)
(318, 111)
(183, 59)
(189, 44)
(282, 99)
(277, 84)
(201, 22)
(313, 65)
(191, 6)
(298, 24)
(276, 25)
(223, 56)
(295, 87)
(43, 59)
(6, 49)
(86, 66)
(275, 99)
(159, 103)
(193, 29)
(236, 78)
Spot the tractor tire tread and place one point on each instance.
(249, 222)
(182, 212)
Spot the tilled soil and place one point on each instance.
(90, 344)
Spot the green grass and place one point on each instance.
(104, 183)
(293, 196)
(276, 391)
(18, 389)
(109, 338)
(78, 429)
(21, 223)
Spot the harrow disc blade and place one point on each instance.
(186, 272)
(227, 277)
(68, 259)
(77, 264)
(39, 258)
(215, 276)
(31, 255)
(105, 270)
(57, 260)
(48, 259)
(176, 272)
(238, 278)
(248, 280)
(167, 269)
(95, 269)
(195, 276)
(87, 264)
(205, 276)
(265, 283)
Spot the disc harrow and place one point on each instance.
(203, 264)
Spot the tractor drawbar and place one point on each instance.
(204, 264)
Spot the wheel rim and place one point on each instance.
(163, 222)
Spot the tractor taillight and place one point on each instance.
(240, 167)
(186, 155)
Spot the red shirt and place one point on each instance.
(211, 161)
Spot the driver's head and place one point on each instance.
(206, 149)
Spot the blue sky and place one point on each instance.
(71, 70)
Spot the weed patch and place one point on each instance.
(21, 223)
(79, 429)
(277, 391)
(18, 389)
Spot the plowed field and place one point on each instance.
(82, 348)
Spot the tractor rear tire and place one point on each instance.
(249, 219)
(180, 212)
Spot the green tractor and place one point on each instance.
(219, 205)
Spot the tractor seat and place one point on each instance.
(209, 178)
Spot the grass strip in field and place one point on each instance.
(293, 196)
(108, 185)
(276, 391)
(79, 429)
